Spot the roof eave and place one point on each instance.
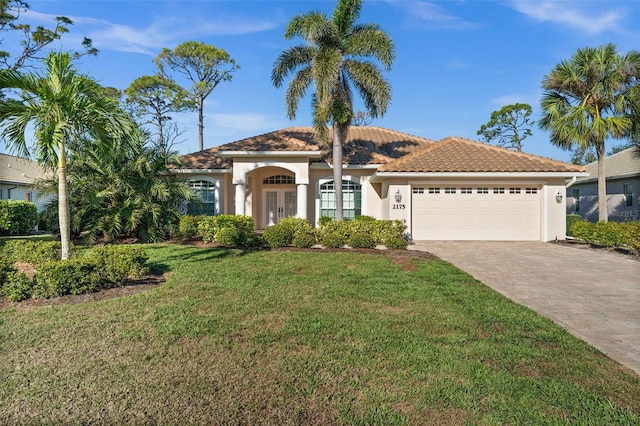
(232, 154)
(194, 171)
(380, 176)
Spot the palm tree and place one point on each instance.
(64, 108)
(589, 99)
(335, 57)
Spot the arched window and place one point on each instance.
(351, 199)
(205, 204)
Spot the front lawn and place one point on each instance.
(303, 337)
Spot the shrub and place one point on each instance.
(188, 227)
(571, 219)
(582, 230)
(609, 234)
(33, 252)
(304, 240)
(62, 277)
(229, 237)
(254, 240)
(365, 218)
(209, 226)
(396, 243)
(324, 220)
(6, 269)
(341, 228)
(117, 263)
(362, 240)
(333, 240)
(17, 287)
(17, 217)
(277, 236)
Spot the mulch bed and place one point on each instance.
(586, 246)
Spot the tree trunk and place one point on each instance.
(201, 122)
(339, 135)
(603, 214)
(64, 218)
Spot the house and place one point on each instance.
(16, 176)
(623, 188)
(454, 189)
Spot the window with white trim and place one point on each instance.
(465, 190)
(351, 199)
(279, 180)
(483, 190)
(434, 190)
(514, 190)
(628, 194)
(531, 190)
(418, 190)
(205, 203)
(576, 200)
(498, 190)
(450, 190)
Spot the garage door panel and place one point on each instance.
(476, 216)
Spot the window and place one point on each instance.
(514, 190)
(576, 200)
(465, 190)
(531, 190)
(206, 200)
(498, 190)
(482, 190)
(451, 190)
(628, 194)
(279, 180)
(418, 190)
(27, 197)
(434, 190)
(351, 199)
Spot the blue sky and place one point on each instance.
(456, 61)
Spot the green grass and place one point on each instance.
(276, 337)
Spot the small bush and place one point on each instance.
(62, 277)
(333, 240)
(117, 263)
(571, 219)
(33, 252)
(609, 234)
(396, 243)
(209, 226)
(324, 220)
(304, 240)
(17, 217)
(362, 240)
(17, 287)
(188, 227)
(6, 269)
(229, 237)
(582, 230)
(365, 218)
(254, 240)
(277, 236)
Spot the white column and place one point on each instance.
(240, 198)
(302, 201)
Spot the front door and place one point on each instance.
(278, 204)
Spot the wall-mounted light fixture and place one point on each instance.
(558, 197)
(398, 196)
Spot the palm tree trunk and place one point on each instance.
(603, 214)
(339, 135)
(64, 218)
(201, 122)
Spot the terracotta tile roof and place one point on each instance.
(365, 145)
(455, 154)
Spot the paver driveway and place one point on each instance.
(594, 294)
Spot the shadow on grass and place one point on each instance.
(185, 254)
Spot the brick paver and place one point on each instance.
(594, 294)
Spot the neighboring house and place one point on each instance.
(623, 189)
(455, 189)
(16, 177)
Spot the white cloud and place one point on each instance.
(435, 15)
(515, 98)
(163, 32)
(570, 14)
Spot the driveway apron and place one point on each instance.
(594, 294)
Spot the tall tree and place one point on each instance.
(153, 98)
(509, 126)
(335, 56)
(63, 108)
(589, 99)
(205, 66)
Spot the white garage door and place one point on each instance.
(476, 212)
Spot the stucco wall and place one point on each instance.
(616, 200)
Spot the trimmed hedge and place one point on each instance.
(188, 227)
(211, 228)
(571, 219)
(97, 269)
(33, 252)
(608, 234)
(284, 233)
(17, 217)
(380, 231)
